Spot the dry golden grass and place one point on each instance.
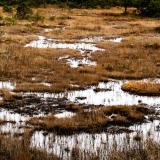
(80, 122)
(142, 88)
(8, 95)
(15, 149)
(24, 64)
(83, 22)
(135, 58)
(94, 121)
(146, 149)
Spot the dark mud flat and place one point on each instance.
(33, 105)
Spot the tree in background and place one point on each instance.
(37, 3)
(23, 9)
(125, 3)
(148, 7)
(152, 9)
(145, 7)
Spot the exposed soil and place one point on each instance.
(33, 105)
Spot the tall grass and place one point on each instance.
(94, 121)
(15, 149)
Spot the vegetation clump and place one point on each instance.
(146, 149)
(145, 8)
(7, 8)
(142, 88)
(23, 10)
(15, 149)
(94, 121)
(8, 95)
(157, 29)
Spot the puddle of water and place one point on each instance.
(43, 42)
(113, 95)
(10, 116)
(63, 57)
(75, 63)
(94, 143)
(7, 85)
(152, 80)
(11, 129)
(117, 40)
(94, 39)
(98, 144)
(46, 84)
(14, 121)
(64, 114)
(48, 30)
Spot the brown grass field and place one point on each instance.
(142, 88)
(132, 58)
(136, 57)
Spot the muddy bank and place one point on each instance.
(33, 105)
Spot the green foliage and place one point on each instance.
(148, 7)
(7, 8)
(157, 29)
(23, 10)
(145, 7)
(153, 8)
(7, 21)
(37, 17)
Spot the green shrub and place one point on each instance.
(36, 17)
(149, 8)
(7, 8)
(23, 10)
(7, 21)
(157, 29)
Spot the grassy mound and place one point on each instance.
(142, 88)
(94, 121)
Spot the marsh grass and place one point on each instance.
(95, 121)
(142, 88)
(15, 149)
(8, 95)
(16, 64)
(157, 29)
(130, 59)
(145, 149)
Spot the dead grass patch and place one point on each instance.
(15, 149)
(131, 59)
(8, 95)
(146, 149)
(94, 121)
(142, 88)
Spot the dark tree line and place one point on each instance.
(144, 7)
